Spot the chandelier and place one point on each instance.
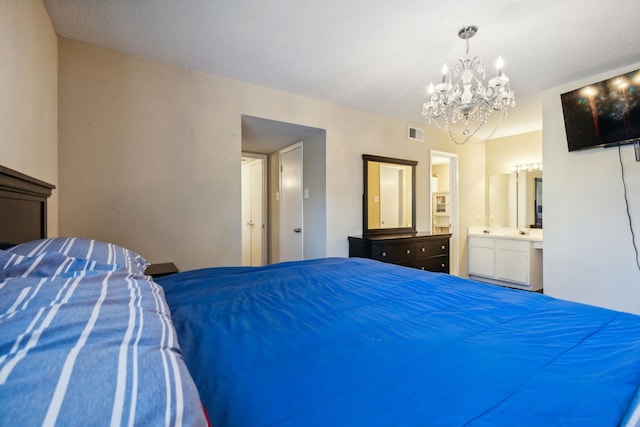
(467, 100)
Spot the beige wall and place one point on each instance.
(471, 200)
(150, 156)
(442, 172)
(588, 251)
(503, 153)
(28, 95)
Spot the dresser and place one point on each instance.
(422, 250)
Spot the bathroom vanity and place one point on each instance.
(506, 256)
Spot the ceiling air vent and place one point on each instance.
(415, 134)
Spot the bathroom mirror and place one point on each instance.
(515, 199)
(537, 211)
(502, 196)
(389, 195)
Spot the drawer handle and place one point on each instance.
(442, 265)
(384, 254)
(443, 247)
(408, 251)
(423, 249)
(422, 268)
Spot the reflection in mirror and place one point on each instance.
(512, 199)
(503, 205)
(538, 203)
(390, 192)
(389, 195)
(527, 198)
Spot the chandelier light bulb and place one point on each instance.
(499, 65)
(431, 89)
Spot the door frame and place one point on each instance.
(265, 211)
(453, 196)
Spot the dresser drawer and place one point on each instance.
(438, 264)
(394, 252)
(429, 248)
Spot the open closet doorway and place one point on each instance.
(254, 209)
(269, 137)
(444, 199)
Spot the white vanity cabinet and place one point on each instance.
(509, 261)
(481, 257)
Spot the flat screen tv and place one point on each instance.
(603, 114)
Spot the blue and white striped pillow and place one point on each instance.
(93, 250)
(47, 264)
(98, 348)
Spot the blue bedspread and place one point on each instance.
(358, 342)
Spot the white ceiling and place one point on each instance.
(373, 55)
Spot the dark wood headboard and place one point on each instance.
(23, 207)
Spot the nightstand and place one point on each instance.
(162, 269)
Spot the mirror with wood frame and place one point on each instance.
(389, 195)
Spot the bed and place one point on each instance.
(335, 341)
(359, 342)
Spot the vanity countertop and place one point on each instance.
(531, 234)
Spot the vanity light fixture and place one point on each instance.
(529, 167)
(462, 95)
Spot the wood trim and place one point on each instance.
(365, 205)
(24, 206)
(14, 182)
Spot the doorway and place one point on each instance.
(268, 137)
(444, 199)
(254, 209)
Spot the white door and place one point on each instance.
(291, 204)
(253, 217)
